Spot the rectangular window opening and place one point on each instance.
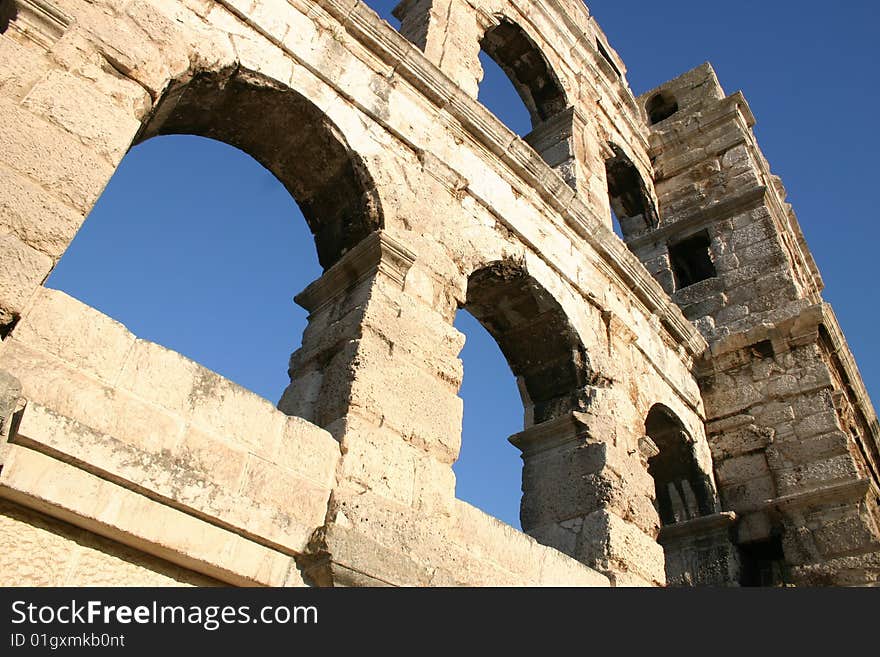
(763, 563)
(691, 260)
(607, 57)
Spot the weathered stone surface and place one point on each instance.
(77, 106)
(62, 555)
(80, 336)
(422, 203)
(41, 221)
(22, 268)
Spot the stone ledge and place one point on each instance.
(67, 493)
(378, 252)
(697, 526)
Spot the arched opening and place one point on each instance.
(545, 355)
(489, 470)
(631, 204)
(547, 359)
(683, 491)
(660, 107)
(499, 95)
(197, 243)
(513, 65)
(540, 345)
(522, 61)
(289, 136)
(8, 12)
(206, 266)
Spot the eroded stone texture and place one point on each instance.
(691, 413)
(793, 434)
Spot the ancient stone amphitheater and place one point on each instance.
(693, 414)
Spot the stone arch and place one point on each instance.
(628, 193)
(541, 346)
(683, 491)
(521, 59)
(8, 12)
(311, 159)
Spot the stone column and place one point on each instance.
(379, 369)
(560, 142)
(449, 33)
(590, 498)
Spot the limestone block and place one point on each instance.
(75, 496)
(202, 474)
(490, 540)
(844, 535)
(77, 53)
(741, 468)
(36, 217)
(144, 45)
(419, 331)
(355, 553)
(22, 269)
(221, 407)
(20, 67)
(217, 461)
(308, 451)
(82, 109)
(739, 441)
(747, 493)
(421, 407)
(775, 414)
(433, 486)
(261, 57)
(77, 334)
(47, 557)
(377, 459)
(818, 473)
(47, 381)
(159, 375)
(794, 450)
(576, 480)
(267, 484)
(611, 545)
(52, 157)
(559, 570)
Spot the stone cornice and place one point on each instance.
(377, 253)
(849, 490)
(700, 217)
(41, 21)
(550, 434)
(697, 527)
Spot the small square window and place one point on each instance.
(691, 260)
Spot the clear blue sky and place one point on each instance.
(197, 247)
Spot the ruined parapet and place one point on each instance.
(794, 435)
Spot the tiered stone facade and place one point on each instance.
(692, 414)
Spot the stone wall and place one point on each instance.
(421, 203)
(794, 436)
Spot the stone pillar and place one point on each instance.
(560, 142)
(701, 551)
(449, 33)
(379, 369)
(590, 498)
